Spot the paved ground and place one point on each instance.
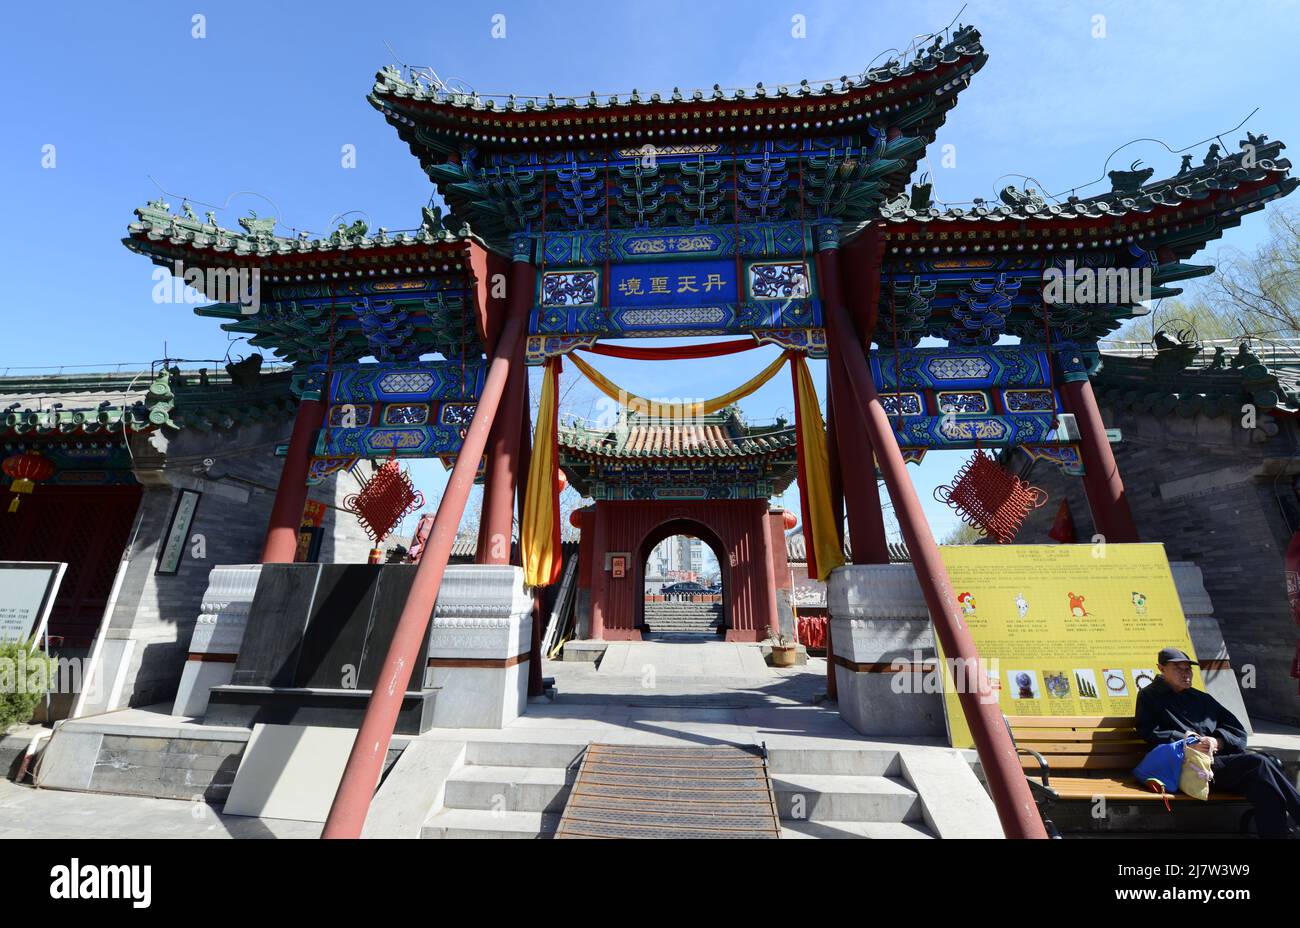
(671, 706)
(703, 659)
(26, 812)
(648, 675)
(782, 708)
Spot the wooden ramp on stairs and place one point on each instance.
(636, 791)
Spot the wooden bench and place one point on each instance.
(1085, 757)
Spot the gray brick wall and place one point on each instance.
(1214, 496)
(159, 611)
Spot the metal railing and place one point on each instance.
(1270, 351)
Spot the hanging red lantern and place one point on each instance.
(27, 469)
(789, 519)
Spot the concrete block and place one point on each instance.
(523, 753)
(68, 761)
(510, 789)
(481, 625)
(869, 703)
(219, 629)
(413, 788)
(822, 798)
(953, 803)
(476, 823)
(879, 617)
(864, 762)
(290, 772)
(479, 697)
(578, 650)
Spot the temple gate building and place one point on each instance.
(778, 215)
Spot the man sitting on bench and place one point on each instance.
(1168, 709)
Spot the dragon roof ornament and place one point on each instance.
(407, 83)
(156, 222)
(1252, 164)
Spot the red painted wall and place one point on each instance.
(740, 531)
(586, 526)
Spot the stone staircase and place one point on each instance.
(518, 790)
(676, 617)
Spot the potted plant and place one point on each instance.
(784, 649)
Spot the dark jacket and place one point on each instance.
(1164, 716)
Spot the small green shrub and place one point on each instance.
(26, 674)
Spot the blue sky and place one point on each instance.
(255, 114)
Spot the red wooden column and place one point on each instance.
(1107, 499)
(1111, 516)
(502, 469)
(365, 763)
(1007, 786)
(850, 439)
(291, 492)
(833, 460)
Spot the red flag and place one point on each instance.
(1063, 527)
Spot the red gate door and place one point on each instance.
(88, 527)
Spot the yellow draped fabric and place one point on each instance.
(541, 525)
(821, 537)
(677, 410)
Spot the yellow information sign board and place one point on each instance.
(1064, 629)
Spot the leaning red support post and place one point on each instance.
(997, 753)
(365, 763)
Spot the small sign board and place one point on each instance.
(1064, 630)
(27, 591)
(178, 533)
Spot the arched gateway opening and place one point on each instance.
(679, 599)
(651, 478)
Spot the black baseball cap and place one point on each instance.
(1173, 654)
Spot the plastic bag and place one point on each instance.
(1197, 773)
(1162, 768)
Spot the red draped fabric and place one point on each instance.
(812, 631)
(675, 353)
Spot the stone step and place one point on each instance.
(860, 762)
(701, 614)
(682, 626)
(682, 617)
(854, 830)
(481, 823)
(666, 607)
(509, 789)
(704, 619)
(818, 797)
(683, 609)
(522, 754)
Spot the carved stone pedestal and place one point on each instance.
(884, 651)
(478, 649)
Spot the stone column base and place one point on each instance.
(478, 647)
(886, 662)
(218, 632)
(884, 652)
